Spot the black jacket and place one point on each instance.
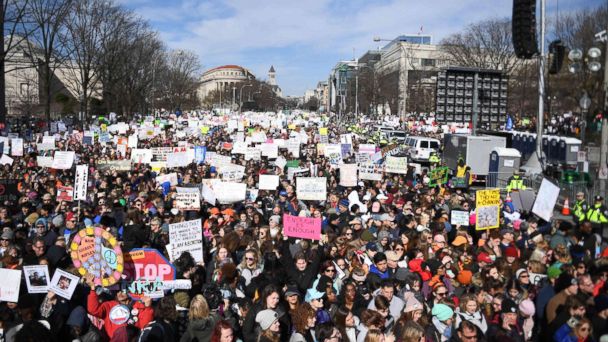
(303, 279)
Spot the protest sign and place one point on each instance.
(546, 199)
(64, 283)
(171, 178)
(232, 172)
(302, 227)
(370, 171)
(43, 161)
(17, 147)
(269, 150)
(147, 264)
(81, 182)
(141, 156)
(95, 251)
(311, 188)
(297, 172)
(396, 165)
(361, 158)
(160, 153)
(186, 237)
(132, 141)
(438, 176)
(459, 217)
(293, 147)
(65, 193)
(6, 160)
(10, 281)
(280, 162)
(178, 159)
(63, 160)
(188, 200)
(268, 182)
(253, 153)
(199, 154)
(230, 192)
(487, 203)
(37, 278)
(114, 165)
(367, 148)
(345, 150)
(348, 175)
(239, 147)
(333, 152)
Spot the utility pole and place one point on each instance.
(475, 103)
(604, 141)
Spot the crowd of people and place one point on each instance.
(389, 265)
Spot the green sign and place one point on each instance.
(293, 163)
(439, 176)
(459, 183)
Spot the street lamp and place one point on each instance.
(241, 96)
(233, 97)
(405, 71)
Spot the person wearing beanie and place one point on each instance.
(506, 329)
(527, 310)
(440, 328)
(268, 320)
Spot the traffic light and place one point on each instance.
(523, 28)
(558, 52)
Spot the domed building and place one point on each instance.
(223, 78)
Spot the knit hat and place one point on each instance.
(511, 251)
(527, 307)
(508, 306)
(344, 202)
(7, 235)
(383, 234)
(554, 272)
(464, 277)
(484, 257)
(519, 272)
(442, 312)
(78, 318)
(459, 241)
(43, 222)
(412, 304)
(367, 236)
(265, 318)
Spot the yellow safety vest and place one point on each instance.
(460, 171)
(578, 210)
(595, 215)
(516, 183)
(434, 159)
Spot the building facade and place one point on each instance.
(222, 78)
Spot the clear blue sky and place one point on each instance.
(304, 39)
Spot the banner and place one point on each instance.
(63, 160)
(187, 200)
(186, 237)
(114, 165)
(348, 175)
(64, 283)
(81, 182)
(95, 251)
(302, 227)
(546, 199)
(268, 182)
(459, 217)
(439, 176)
(311, 188)
(17, 147)
(487, 203)
(37, 278)
(395, 165)
(370, 171)
(10, 281)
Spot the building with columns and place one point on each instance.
(222, 78)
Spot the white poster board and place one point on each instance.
(268, 182)
(459, 217)
(230, 192)
(10, 280)
(188, 200)
(64, 283)
(17, 147)
(370, 171)
(37, 278)
(81, 182)
(396, 165)
(348, 175)
(545, 200)
(311, 188)
(63, 160)
(186, 237)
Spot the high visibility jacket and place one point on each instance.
(515, 183)
(434, 159)
(460, 171)
(579, 210)
(595, 214)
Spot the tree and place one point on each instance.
(180, 80)
(11, 18)
(47, 19)
(486, 44)
(312, 104)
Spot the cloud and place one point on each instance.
(305, 39)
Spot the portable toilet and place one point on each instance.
(526, 144)
(517, 141)
(503, 162)
(545, 145)
(553, 149)
(532, 144)
(561, 153)
(573, 145)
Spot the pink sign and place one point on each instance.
(302, 227)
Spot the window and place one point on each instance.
(24, 88)
(427, 62)
(424, 144)
(434, 145)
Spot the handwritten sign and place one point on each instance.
(545, 200)
(81, 182)
(65, 193)
(188, 200)
(268, 182)
(439, 176)
(348, 175)
(311, 188)
(459, 217)
(396, 165)
(487, 204)
(370, 171)
(302, 227)
(95, 251)
(10, 281)
(186, 237)
(63, 160)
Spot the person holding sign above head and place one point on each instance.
(119, 312)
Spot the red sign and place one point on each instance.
(65, 193)
(148, 265)
(302, 227)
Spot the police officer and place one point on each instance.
(461, 168)
(580, 207)
(515, 182)
(597, 215)
(434, 159)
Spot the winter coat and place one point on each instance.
(200, 329)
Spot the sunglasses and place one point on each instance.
(330, 270)
(250, 259)
(441, 294)
(399, 249)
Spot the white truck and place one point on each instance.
(474, 150)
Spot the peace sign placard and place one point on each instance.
(95, 251)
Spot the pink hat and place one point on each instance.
(439, 238)
(527, 307)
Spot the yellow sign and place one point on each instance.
(291, 126)
(205, 129)
(322, 130)
(487, 204)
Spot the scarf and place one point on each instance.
(443, 329)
